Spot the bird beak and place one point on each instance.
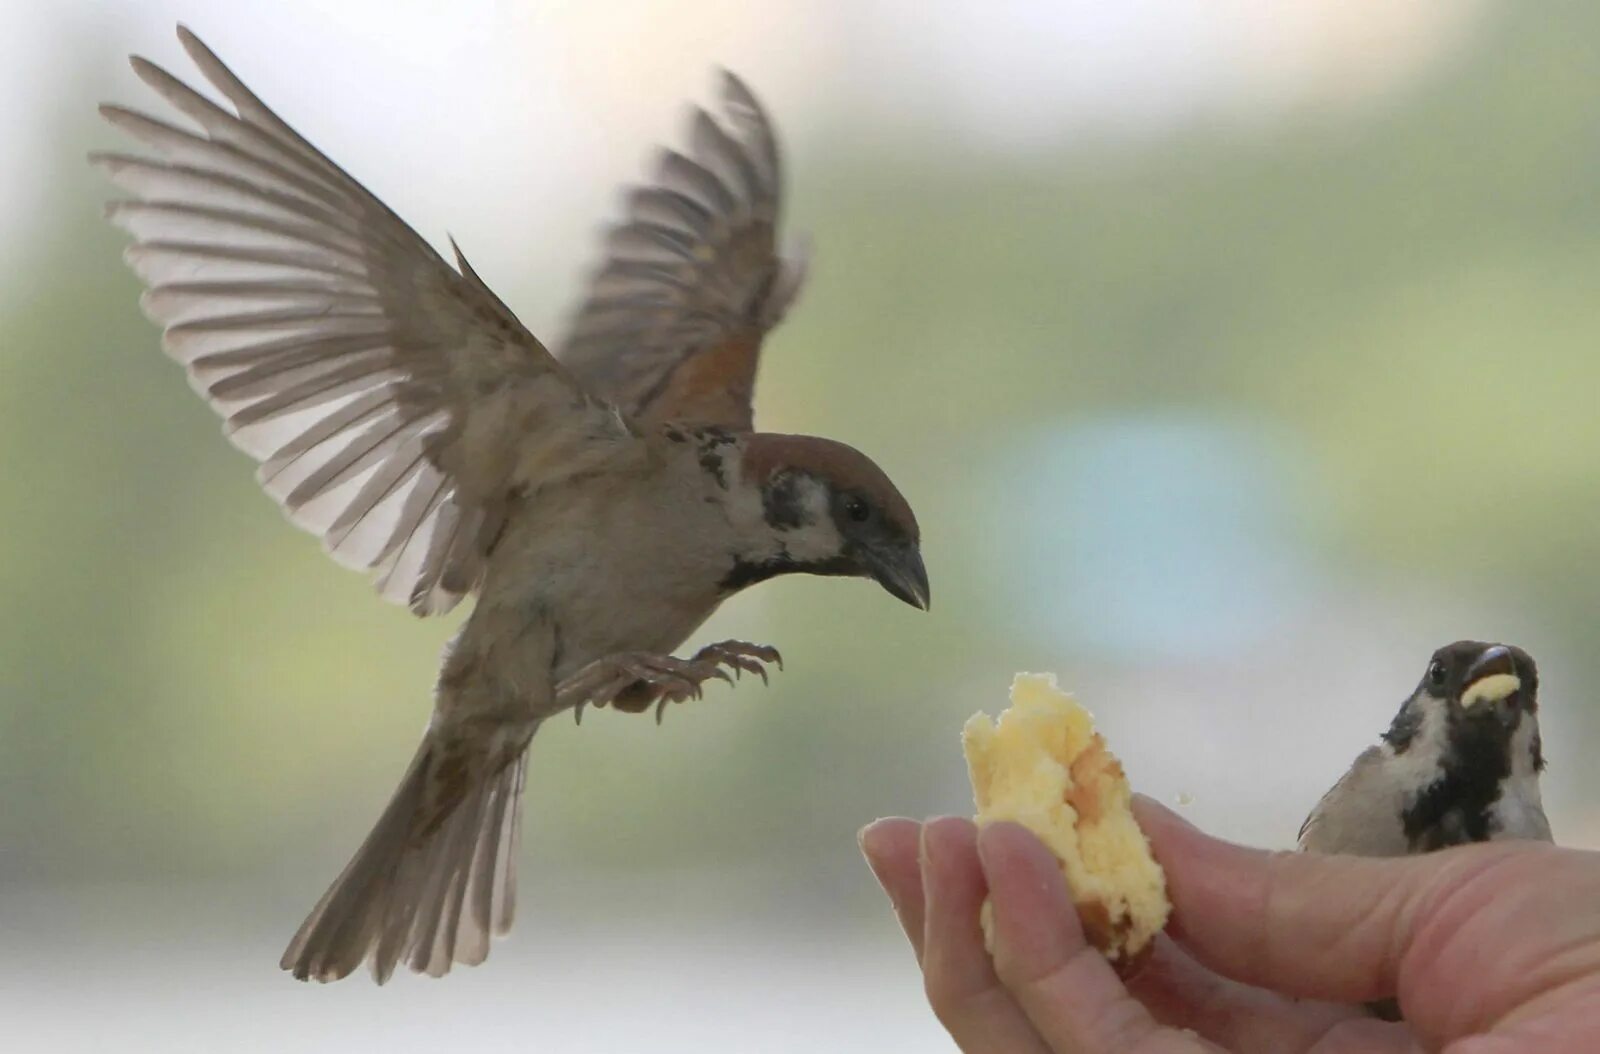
(1492, 678)
(899, 570)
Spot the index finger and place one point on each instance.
(892, 847)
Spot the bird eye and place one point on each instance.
(1436, 674)
(857, 510)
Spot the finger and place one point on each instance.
(1067, 989)
(962, 988)
(1326, 927)
(892, 849)
(1181, 993)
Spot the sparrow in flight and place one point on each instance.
(599, 501)
(1459, 764)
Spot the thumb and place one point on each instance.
(1324, 927)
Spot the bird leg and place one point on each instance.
(632, 681)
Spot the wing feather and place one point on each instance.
(672, 325)
(390, 400)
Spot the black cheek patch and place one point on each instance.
(781, 505)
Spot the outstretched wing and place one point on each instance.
(389, 399)
(693, 279)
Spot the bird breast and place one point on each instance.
(616, 563)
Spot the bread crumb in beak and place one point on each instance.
(1490, 689)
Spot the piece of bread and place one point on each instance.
(1043, 765)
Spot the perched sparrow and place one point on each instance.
(1460, 763)
(600, 502)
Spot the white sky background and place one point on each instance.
(483, 117)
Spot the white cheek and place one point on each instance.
(1418, 766)
(819, 539)
(811, 544)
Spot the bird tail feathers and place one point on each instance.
(437, 874)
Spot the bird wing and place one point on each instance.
(1309, 828)
(1360, 814)
(693, 280)
(391, 401)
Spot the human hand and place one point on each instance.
(1492, 949)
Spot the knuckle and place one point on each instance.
(941, 994)
(1043, 973)
(1121, 1024)
(948, 996)
(958, 1008)
(1117, 1022)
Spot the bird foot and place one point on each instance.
(633, 681)
(742, 657)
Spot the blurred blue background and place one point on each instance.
(1235, 355)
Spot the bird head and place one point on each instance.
(1481, 696)
(827, 509)
(1489, 684)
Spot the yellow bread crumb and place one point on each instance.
(1490, 689)
(1043, 765)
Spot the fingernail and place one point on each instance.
(992, 853)
(867, 829)
(985, 845)
(862, 837)
(925, 851)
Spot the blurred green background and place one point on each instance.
(1234, 356)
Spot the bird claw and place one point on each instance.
(740, 663)
(742, 656)
(632, 681)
